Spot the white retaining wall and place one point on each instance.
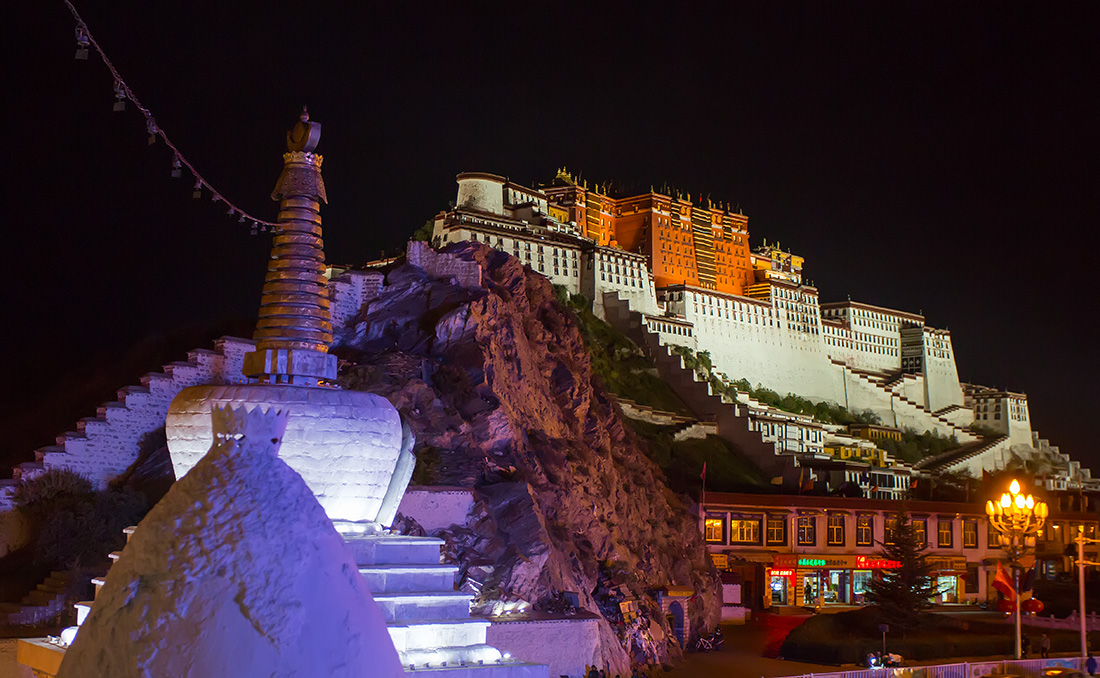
(567, 645)
(437, 507)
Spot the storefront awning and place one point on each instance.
(750, 557)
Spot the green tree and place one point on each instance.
(903, 593)
(424, 233)
(73, 523)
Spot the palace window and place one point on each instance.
(943, 529)
(745, 530)
(777, 531)
(865, 530)
(970, 534)
(836, 530)
(807, 534)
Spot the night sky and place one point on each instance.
(927, 157)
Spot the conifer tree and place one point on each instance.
(902, 593)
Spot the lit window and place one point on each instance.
(714, 529)
(745, 530)
(836, 530)
(889, 526)
(945, 533)
(865, 530)
(970, 534)
(920, 531)
(777, 531)
(807, 535)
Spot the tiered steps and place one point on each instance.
(46, 602)
(105, 445)
(429, 622)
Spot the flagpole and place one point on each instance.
(703, 499)
(1019, 654)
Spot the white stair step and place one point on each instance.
(454, 656)
(394, 549)
(428, 634)
(505, 669)
(424, 605)
(82, 610)
(409, 578)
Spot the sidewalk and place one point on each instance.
(742, 654)
(752, 650)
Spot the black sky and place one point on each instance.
(927, 157)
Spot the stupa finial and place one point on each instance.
(294, 328)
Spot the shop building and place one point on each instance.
(788, 550)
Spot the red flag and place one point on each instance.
(1003, 583)
(703, 475)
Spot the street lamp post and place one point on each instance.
(1081, 563)
(1018, 518)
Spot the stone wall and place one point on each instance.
(567, 645)
(349, 291)
(437, 507)
(105, 445)
(13, 528)
(465, 273)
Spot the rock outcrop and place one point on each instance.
(496, 382)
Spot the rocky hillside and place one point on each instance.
(498, 387)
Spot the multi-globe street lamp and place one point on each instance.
(1019, 518)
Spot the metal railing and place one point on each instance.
(1028, 668)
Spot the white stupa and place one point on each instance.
(236, 572)
(348, 445)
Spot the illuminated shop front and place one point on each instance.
(780, 585)
(951, 578)
(812, 580)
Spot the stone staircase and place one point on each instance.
(945, 460)
(44, 604)
(730, 419)
(429, 622)
(104, 446)
(683, 428)
(909, 408)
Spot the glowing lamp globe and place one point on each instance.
(1006, 605)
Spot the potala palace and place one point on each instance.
(672, 272)
(674, 276)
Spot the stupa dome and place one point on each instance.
(236, 572)
(345, 444)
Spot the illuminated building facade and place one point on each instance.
(809, 551)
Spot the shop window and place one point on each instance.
(835, 536)
(777, 531)
(745, 530)
(920, 531)
(865, 530)
(861, 583)
(715, 527)
(807, 534)
(970, 534)
(945, 533)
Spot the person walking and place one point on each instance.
(1044, 646)
(1090, 665)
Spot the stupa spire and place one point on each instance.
(294, 329)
